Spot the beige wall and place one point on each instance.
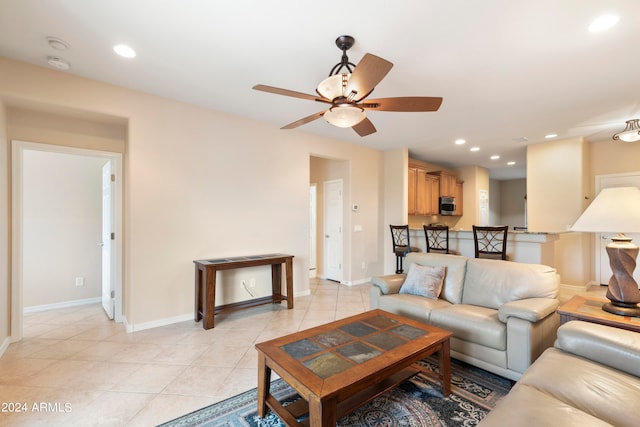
(557, 176)
(200, 184)
(396, 200)
(5, 211)
(512, 202)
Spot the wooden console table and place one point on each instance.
(589, 309)
(205, 284)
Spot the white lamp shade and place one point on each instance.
(331, 87)
(344, 116)
(614, 210)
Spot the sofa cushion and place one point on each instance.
(414, 307)
(491, 283)
(588, 386)
(613, 347)
(454, 275)
(471, 323)
(423, 280)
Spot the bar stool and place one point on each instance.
(437, 238)
(490, 242)
(401, 244)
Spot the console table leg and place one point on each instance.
(289, 279)
(209, 298)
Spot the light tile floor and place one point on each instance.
(80, 369)
(74, 367)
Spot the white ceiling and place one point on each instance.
(506, 68)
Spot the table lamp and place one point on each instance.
(617, 210)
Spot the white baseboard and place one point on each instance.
(65, 304)
(155, 323)
(577, 288)
(5, 345)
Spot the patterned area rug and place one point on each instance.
(417, 402)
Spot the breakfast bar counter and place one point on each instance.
(522, 246)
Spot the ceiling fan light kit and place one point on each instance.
(344, 116)
(346, 91)
(631, 132)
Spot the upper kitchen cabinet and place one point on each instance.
(424, 190)
(448, 183)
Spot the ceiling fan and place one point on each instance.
(347, 87)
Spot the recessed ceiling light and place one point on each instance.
(511, 163)
(460, 142)
(603, 23)
(474, 149)
(124, 51)
(551, 135)
(494, 157)
(520, 139)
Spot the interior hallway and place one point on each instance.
(76, 356)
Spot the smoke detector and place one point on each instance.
(58, 63)
(57, 44)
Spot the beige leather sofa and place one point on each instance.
(502, 313)
(590, 378)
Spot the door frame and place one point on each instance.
(18, 148)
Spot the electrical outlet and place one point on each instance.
(252, 283)
(364, 265)
(79, 281)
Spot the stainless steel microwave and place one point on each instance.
(447, 205)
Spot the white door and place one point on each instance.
(333, 230)
(603, 239)
(108, 293)
(313, 259)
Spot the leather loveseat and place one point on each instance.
(502, 314)
(591, 377)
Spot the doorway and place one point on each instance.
(333, 243)
(48, 241)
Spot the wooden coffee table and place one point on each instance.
(342, 365)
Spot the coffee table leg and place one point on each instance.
(264, 381)
(445, 367)
(322, 414)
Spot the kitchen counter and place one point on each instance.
(529, 247)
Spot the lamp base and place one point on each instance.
(631, 310)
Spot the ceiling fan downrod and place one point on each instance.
(344, 43)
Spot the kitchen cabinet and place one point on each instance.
(458, 195)
(424, 190)
(412, 190)
(448, 183)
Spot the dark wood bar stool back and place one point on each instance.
(401, 244)
(490, 242)
(437, 238)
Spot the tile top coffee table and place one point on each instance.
(589, 309)
(340, 366)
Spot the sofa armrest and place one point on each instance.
(617, 348)
(389, 284)
(531, 309)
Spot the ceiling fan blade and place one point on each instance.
(304, 120)
(293, 93)
(368, 73)
(364, 128)
(404, 103)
